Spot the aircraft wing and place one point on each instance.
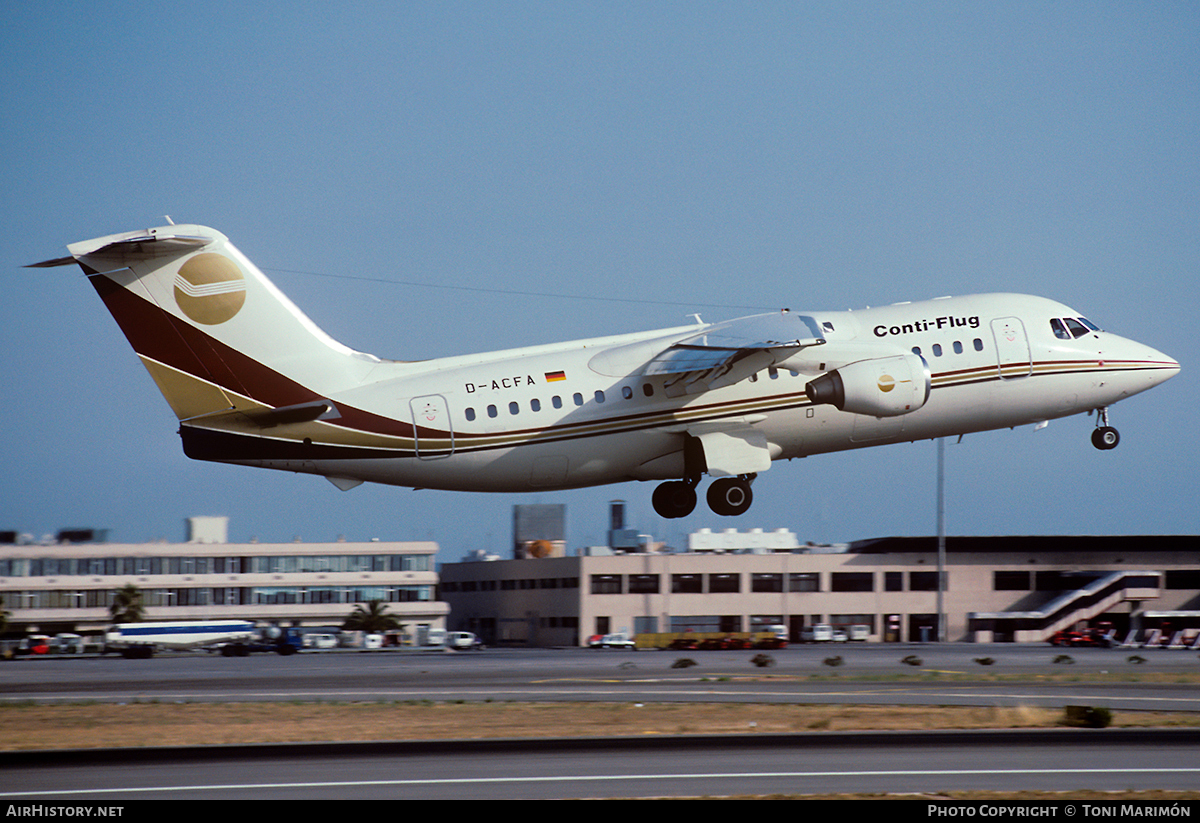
(726, 353)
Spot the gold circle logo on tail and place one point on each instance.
(210, 289)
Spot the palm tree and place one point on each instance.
(127, 605)
(374, 618)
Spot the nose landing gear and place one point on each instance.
(1104, 437)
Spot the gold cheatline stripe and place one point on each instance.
(360, 438)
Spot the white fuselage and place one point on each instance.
(254, 382)
(572, 414)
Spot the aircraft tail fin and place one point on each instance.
(215, 334)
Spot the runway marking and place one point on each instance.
(665, 696)
(592, 778)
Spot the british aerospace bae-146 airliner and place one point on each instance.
(254, 382)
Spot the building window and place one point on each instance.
(1010, 581)
(1182, 579)
(606, 584)
(922, 581)
(686, 584)
(724, 583)
(643, 584)
(852, 582)
(893, 581)
(804, 582)
(766, 582)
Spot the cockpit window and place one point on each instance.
(1076, 328)
(1071, 328)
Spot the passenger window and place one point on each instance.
(917, 350)
(647, 390)
(978, 344)
(556, 402)
(958, 347)
(599, 396)
(627, 392)
(535, 405)
(513, 407)
(470, 413)
(578, 398)
(492, 411)
(773, 373)
(937, 349)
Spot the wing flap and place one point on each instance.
(727, 353)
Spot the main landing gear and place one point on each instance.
(1104, 437)
(728, 496)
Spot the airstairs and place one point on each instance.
(1067, 610)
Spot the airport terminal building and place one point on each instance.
(998, 589)
(68, 584)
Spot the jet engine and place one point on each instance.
(881, 387)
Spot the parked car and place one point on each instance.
(817, 633)
(463, 641)
(612, 641)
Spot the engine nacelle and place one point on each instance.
(881, 387)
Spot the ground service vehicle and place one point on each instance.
(141, 640)
(618, 640)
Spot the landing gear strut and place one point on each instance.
(1105, 437)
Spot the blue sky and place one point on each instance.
(427, 179)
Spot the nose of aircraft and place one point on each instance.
(1141, 367)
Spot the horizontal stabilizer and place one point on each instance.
(137, 245)
(300, 413)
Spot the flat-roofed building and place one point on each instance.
(997, 588)
(69, 587)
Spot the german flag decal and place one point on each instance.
(555, 376)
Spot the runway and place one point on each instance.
(822, 762)
(947, 675)
(857, 763)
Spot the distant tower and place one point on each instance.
(620, 538)
(539, 530)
